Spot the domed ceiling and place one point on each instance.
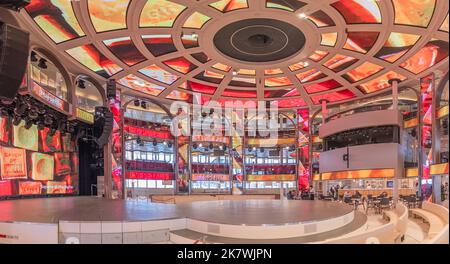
(289, 52)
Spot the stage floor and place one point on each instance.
(248, 212)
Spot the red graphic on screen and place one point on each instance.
(62, 164)
(50, 143)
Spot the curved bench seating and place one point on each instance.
(385, 234)
(399, 217)
(440, 236)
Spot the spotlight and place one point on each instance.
(16, 120)
(48, 120)
(261, 150)
(170, 145)
(201, 145)
(28, 123)
(211, 146)
(33, 114)
(235, 73)
(81, 84)
(144, 105)
(20, 109)
(137, 103)
(224, 148)
(70, 128)
(40, 125)
(33, 56)
(4, 112)
(165, 143)
(194, 146)
(42, 63)
(155, 143)
(302, 15)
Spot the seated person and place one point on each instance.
(358, 194)
(347, 197)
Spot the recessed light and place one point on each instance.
(302, 15)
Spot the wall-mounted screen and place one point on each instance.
(36, 162)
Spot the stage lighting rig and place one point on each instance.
(14, 5)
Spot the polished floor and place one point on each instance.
(248, 212)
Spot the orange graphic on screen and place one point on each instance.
(3, 130)
(13, 163)
(56, 187)
(62, 164)
(50, 143)
(30, 188)
(42, 167)
(26, 138)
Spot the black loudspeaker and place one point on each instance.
(15, 5)
(14, 46)
(108, 125)
(111, 89)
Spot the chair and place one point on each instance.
(385, 203)
(370, 203)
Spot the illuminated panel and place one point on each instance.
(42, 167)
(333, 97)
(411, 123)
(362, 72)
(304, 160)
(427, 86)
(291, 103)
(359, 11)
(239, 93)
(50, 143)
(210, 76)
(396, 46)
(321, 19)
(412, 172)
(116, 162)
(380, 83)
(340, 62)
(414, 13)
(318, 55)
(361, 42)
(229, 5)
(159, 44)
(443, 111)
(243, 82)
(359, 174)
(155, 72)
(108, 15)
(310, 75)
(281, 93)
(210, 177)
(25, 138)
(277, 82)
(196, 20)
(329, 39)
(135, 83)
(432, 53)
(288, 5)
(439, 169)
(273, 71)
(222, 67)
(201, 57)
(90, 56)
(189, 41)
(56, 18)
(160, 13)
(125, 50)
(274, 177)
(322, 86)
(181, 65)
(298, 66)
(247, 72)
(198, 87)
(444, 26)
(13, 163)
(180, 96)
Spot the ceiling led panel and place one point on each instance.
(108, 15)
(56, 18)
(125, 50)
(160, 13)
(293, 54)
(90, 57)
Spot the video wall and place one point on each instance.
(36, 162)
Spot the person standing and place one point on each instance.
(311, 192)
